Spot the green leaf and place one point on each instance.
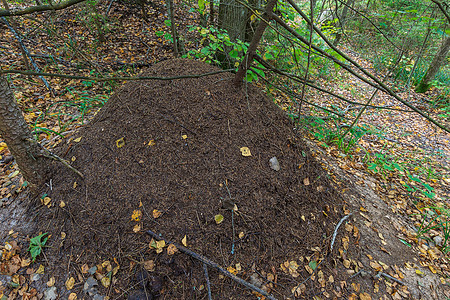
(36, 245)
(159, 33)
(405, 242)
(313, 265)
(218, 219)
(168, 23)
(233, 53)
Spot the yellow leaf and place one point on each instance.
(120, 142)
(420, 273)
(151, 143)
(365, 296)
(136, 228)
(184, 241)
(72, 296)
(40, 270)
(136, 216)
(171, 249)
(432, 269)
(160, 245)
(156, 213)
(73, 158)
(241, 235)
(75, 185)
(46, 200)
(77, 140)
(218, 219)
(184, 136)
(245, 151)
(306, 181)
(63, 235)
(70, 283)
(106, 281)
(62, 204)
(232, 270)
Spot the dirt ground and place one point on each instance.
(189, 159)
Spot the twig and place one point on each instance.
(51, 155)
(208, 284)
(336, 229)
(212, 265)
(389, 277)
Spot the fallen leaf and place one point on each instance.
(72, 296)
(136, 228)
(171, 249)
(365, 296)
(232, 270)
(75, 185)
(184, 136)
(70, 283)
(120, 142)
(40, 270)
(218, 219)
(151, 143)
(149, 265)
(184, 241)
(46, 201)
(51, 282)
(306, 181)
(241, 235)
(156, 214)
(62, 204)
(106, 281)
(136, 216)
(245, 151)
(84, 268)
(77, 140)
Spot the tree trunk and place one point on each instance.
(14, 130)
(436, 63)
(233, 18)
(342, 21)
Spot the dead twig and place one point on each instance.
(208, 284)
(336, 229)
(212, 265)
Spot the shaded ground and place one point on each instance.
(181, 156)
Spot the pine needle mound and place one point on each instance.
(167, 156)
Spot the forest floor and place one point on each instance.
(150, 165)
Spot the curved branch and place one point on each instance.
(441, 7)
(38, 8)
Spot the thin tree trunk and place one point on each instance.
(251, 51)
(170, 10)
(436, 63)
(342, 21)
(14, 130)
(233, 18)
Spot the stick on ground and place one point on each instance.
(212, 265)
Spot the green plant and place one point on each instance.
(437, 219)
(36, 245)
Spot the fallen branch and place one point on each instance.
(212, 264)
(336, 229)
(389, 277)
(63, 161)
(98, 79)
(38, 8)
